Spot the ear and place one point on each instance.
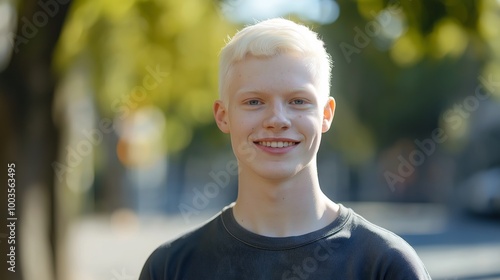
(328, 113)
(220, 115)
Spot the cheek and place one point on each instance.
(310, 124)
(242, 128)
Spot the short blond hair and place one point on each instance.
(270, 38)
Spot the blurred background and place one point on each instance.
(106, 111)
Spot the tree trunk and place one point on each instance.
(31, 138)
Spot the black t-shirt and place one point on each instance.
(348, 248)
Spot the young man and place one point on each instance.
(275, 104)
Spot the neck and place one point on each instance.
(283, 207)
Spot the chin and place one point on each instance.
(276, 173)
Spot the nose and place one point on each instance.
(277, 118)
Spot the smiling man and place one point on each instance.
(275, 102)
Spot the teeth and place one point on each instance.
(278, 144)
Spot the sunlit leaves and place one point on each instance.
(408, 49)
(127, 42)
(448, 38)
(488, 27)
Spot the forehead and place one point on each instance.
(279, 73)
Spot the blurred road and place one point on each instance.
(451, 246)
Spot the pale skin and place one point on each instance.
(276, 114)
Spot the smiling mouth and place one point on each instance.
(276, 144)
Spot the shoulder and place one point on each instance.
(169, 254)
(392, 256)
(372, 233)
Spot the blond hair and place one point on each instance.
(270, 38)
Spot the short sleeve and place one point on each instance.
(402, 262)
(155, 266)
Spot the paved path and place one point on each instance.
(115, 248)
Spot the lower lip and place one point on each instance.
(277, 151)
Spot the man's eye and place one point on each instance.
(298, 102)
(253, 102)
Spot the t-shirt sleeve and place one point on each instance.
(156, 265)
(390, 255)
(402, 262)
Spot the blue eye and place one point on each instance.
(298, 102)
(253, 102)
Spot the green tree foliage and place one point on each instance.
(139, 53)
(399, 64)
